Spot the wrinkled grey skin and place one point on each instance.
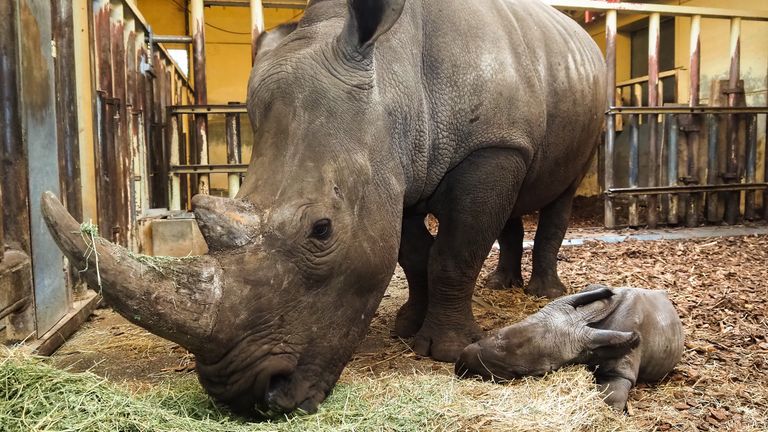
(368, 116)
(270, 39)
(624, 335)
(476, 112)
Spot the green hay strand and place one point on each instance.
(35, 396)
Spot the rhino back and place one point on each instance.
(459, 76)
(652, 314)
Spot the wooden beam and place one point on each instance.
(666, 10)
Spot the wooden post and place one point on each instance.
(234, 151)
(610, 126)
(692, 177)
(174, 187)
(732, 162)
(653, 101)
(201, 91)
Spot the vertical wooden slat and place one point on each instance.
(201, 92)
(732, 163)
(751, 166)
(692, 203)
(672, 167)
(610, 127)
(66, 100)
(234, 151)
(634, 167)
(174, 185)
(13, 153)
(653, 101)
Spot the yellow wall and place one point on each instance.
(227, 56)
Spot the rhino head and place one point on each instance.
(561, 333)
(300, 259)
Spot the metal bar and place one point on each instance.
(609, 216)
(208, 168)
(179, 39)
(234, 151)
(290, 4)
(666, 10)
(209, 109)
(659, 190)
(713, 132)
(732, 175)
(201, 91)
(257, 25)
(654, 22)
(688, 110)
(672, 168)
(751, 168)
(692, 203)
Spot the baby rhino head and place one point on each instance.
(561, 333)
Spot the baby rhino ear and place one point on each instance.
(611, 343)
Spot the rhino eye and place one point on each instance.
(321, 230)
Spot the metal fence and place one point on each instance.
(701, 159)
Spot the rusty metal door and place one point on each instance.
(38, 123)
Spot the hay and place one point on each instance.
(34, 396)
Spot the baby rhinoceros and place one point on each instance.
(624, 335)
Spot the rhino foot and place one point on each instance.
(545, 286)
(409, 319)
(445, 345)
(499, 280)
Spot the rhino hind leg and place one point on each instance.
(509, 272)
(472, 203)
(553, 222)
(415, 243)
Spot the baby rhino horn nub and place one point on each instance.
(177, 299)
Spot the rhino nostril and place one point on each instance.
(277, 397)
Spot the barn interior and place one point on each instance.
(126, 109)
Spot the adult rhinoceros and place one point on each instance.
(371, 114)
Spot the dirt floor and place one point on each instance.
(718, 285)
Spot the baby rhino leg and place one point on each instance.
(615, 390)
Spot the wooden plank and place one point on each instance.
(54, 338)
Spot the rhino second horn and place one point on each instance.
(226, 223)
(177, 299)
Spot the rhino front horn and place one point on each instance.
(175, 298)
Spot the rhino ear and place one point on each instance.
(369, 19)
(611, 343)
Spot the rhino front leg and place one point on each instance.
(553, 222)
(615, 391)
(472, 204)
(509, 272)
(415, 243)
